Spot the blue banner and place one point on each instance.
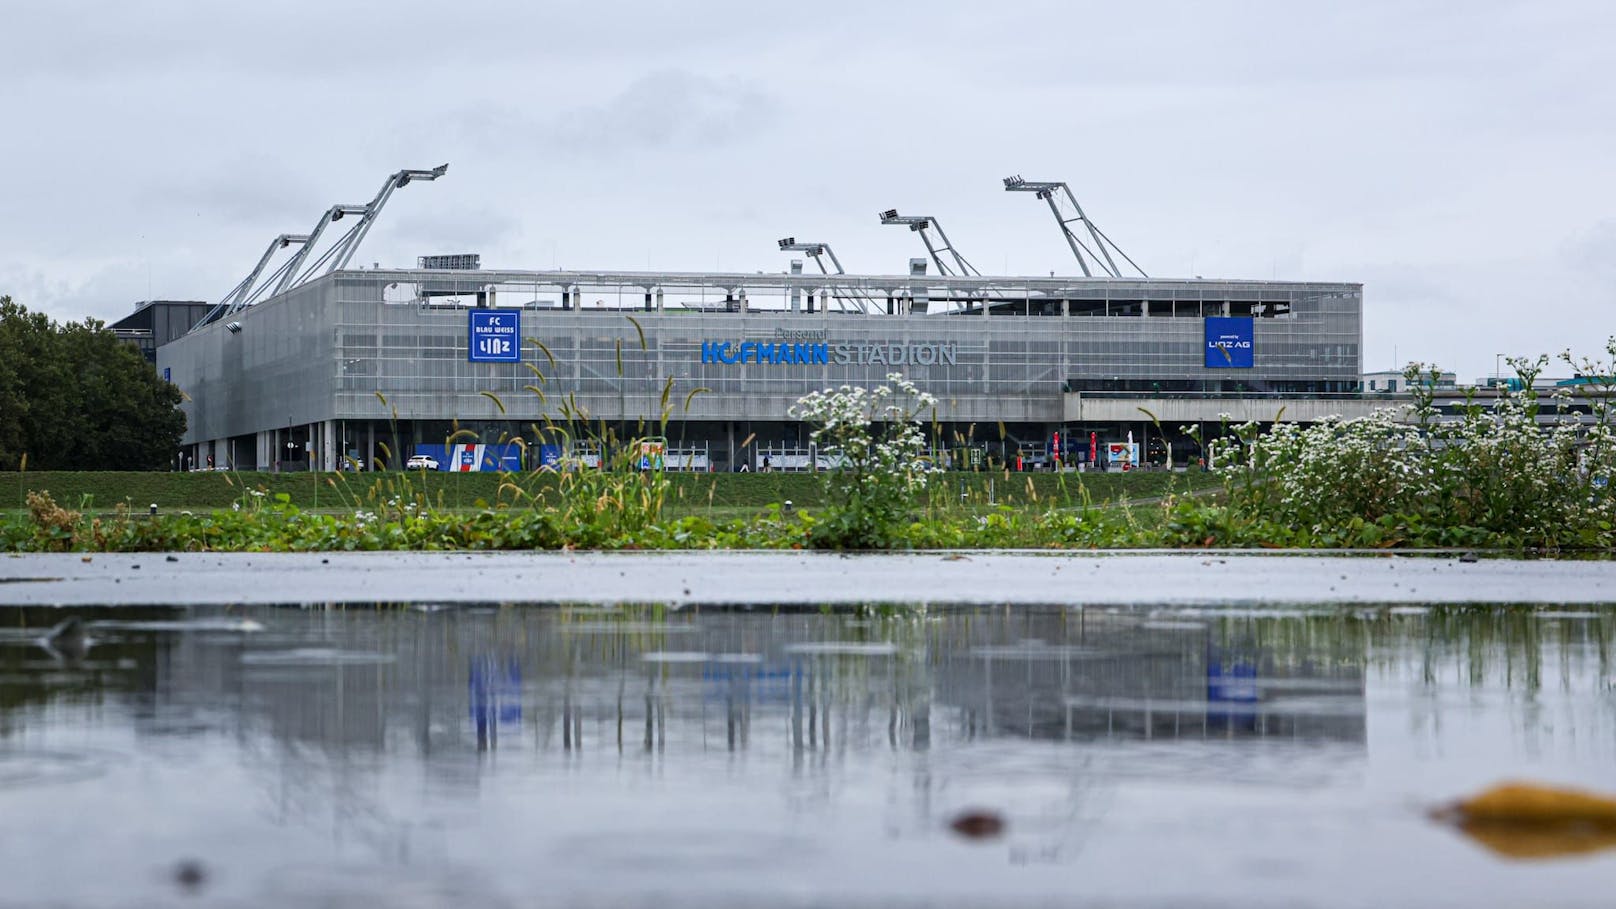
(474, 458)
(1228, 343)
(494, 336)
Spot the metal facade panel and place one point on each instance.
(327, 349)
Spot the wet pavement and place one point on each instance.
(422, 753)
(798, 578)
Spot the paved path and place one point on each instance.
(766, 578)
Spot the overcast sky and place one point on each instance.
(1458, 158)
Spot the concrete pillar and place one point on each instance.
(743, 301)
(796, 293)
(659, 300)
(334, 447)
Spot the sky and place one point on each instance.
(1456, 158)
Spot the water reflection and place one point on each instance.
(421, 739)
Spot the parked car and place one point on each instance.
(421, 462)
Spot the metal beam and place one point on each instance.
(919, 224)
(397, 181)
(1050, 192)
(290, 277)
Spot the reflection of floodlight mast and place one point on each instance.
(919, 224)
(1049, 192)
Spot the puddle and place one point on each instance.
(515, 755)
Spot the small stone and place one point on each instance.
(1469, 557)
(978, 825)
(190, 875)
(173, 558)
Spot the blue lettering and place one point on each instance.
(749, 351)
(819, 353)
(725, 355)
(709, 351)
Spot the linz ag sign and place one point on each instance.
(495, 336)
(1228, 343)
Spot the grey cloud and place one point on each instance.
(664, 109)
(1593, 251)
(450, 229)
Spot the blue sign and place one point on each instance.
(1228, 343)
(168, 374)
(495, 336)
(764, 352)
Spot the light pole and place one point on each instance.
(1498, 370)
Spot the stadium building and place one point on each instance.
(320, 363)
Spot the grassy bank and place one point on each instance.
(104, 490)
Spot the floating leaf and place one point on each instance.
(1531, 821)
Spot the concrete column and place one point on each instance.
(796, 293)
(659, 300)
(743, 301)
(323, 434)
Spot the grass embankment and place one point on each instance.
(583, 510)
(99, 491)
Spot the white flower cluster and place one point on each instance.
(873, 433)
(1513, 467)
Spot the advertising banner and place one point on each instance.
(1229, 343)
(472, 458)
(494, 336)
(651, 454)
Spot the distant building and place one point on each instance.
(157, 322)
(1392, 381)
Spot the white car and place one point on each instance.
(421, 462)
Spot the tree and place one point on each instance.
(75, 397)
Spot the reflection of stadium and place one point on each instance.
(586, 680)
(1124, 677)
(805, 683)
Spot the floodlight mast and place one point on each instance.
(919, 224)
(289, 272)
(790, 244)
(342, 251)
(1048, 190)
(239, 295)
(396, 181)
